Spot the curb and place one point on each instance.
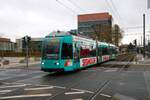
(19, 65)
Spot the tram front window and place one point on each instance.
(51, 49)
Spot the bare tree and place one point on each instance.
(117, 34)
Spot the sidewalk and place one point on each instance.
(19, 65)
(140, 60)
(14, 62)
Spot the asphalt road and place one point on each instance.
(94, 83)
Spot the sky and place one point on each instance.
(38, 18)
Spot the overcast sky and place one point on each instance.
(39, 17)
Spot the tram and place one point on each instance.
(62, 51)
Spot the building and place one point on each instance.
(96, 24)
(6, 45)
(35, 45)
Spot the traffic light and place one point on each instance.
(135, 42)
(26, 41)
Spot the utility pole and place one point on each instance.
(144, 35)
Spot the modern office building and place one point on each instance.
(35, 45)
(96, 23)
(6, 45)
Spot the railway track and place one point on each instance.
(127, 58)
(121, 68)
(102, 85)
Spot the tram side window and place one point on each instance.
(87, 52)
(115, 51)
(105, 51)
(99, 51)
(67, 51)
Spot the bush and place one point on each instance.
(22, 61)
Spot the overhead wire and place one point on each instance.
(73, 11)
(135, 27)
(114, 6)
(77, 6)
(112, 9)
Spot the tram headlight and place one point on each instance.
(57, 63)
(42, 63)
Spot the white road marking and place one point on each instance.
(5, 91)
(5, 78)
(78, 99)
(15, 83)
(59, 87)
(13, 86)
(29, 78)
(52, 86)
(105, 84)
(41, 85)
(68, 93)
(12, 76)
(105, 95)
(25, 96)
(39, 88)
(82, 90)
(110, 70)
(123, 97)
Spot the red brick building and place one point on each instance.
(100, 23)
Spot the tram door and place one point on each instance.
(76, 55)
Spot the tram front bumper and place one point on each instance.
(52, 69)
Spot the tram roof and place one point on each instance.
(58, 33)
(78, 38)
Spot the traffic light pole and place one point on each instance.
(144, 35)
(27, 55)
(26, 41)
